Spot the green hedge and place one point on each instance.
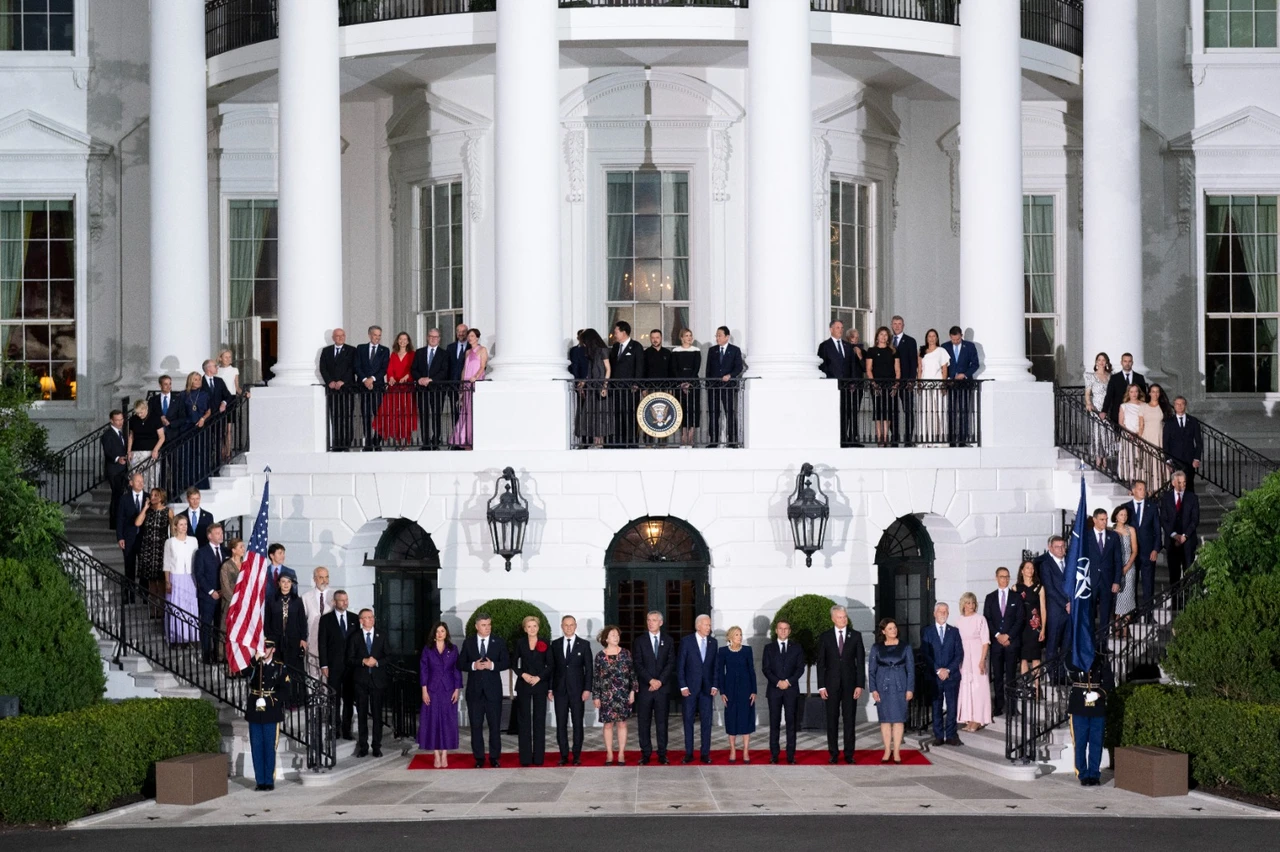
(1233, 743)
(809, 616)
(507, 614)
(60, 768)
(1248, 541)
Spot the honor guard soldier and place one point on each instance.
(1088, 709)
(268, 684)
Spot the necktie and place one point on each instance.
(942, 635)
(195, 520)
(897, 341)
(655, 646)
(342, 622)
(784, 646)
(1003, 600)
(430, 354)
(483, 645)
(368, 644)
(321, 601)
(137, 501)
(1101, 542)
(840, 348)
(164, 404)
(1181, 422)
(1139, 512)
(568, 648)
(702, 648)
(721, 351)
(840, 642)
(1177, 501)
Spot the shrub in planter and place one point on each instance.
(809, 616)
(507, 614)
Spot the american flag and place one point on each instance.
(244, 615)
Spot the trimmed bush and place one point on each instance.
(507, 614)
(48, 658)
(1227, 644)
(60, 768)
(1231, 743)
(809, 616)
(1248, 541)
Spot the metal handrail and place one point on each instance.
(73, 471)
(918, 412)
(707, 412)
(196, 454)
(106, 595)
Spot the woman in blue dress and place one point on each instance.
(736, 681)
(891, 678)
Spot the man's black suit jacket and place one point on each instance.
(775, 667)
(649, 667)
(204, 518)
(834, 363)
(1117, 386)
(218, 392)
(333, 643)
(367, 677)
(730, 364)
(626, 362)
(908, 356)
(113, 448)
(841, 675)
(126, 513)
(1011, 623)
(571, 677)
(177, 415)
(371, 362)
(488, 683)
(1107, 562)
(457, 360)
(338, 366)
(1182, 444)
(438, 371)
(1182, 520)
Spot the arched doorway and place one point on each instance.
(905, 590)
(406, 589)
(656, 563)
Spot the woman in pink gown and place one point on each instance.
(974, 706)
(472, 371)
(397, 415)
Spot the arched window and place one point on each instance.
(656, 563)
(406, 590)
(904, 558)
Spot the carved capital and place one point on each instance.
(821, 162)
(721, 148)
(471, 162)
(575, 148)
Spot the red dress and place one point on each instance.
(397, 416)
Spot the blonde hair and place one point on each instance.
(140, 406)
(729, 633)
(193, 377)
(524, 622)
(175, 519)
(968, 597)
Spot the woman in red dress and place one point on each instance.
(397, 415)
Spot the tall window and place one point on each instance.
(37, 24)
(254, 267)
(1240, 23)
(648, 251)
(1240, 294)
(440, 258)
(1040, 282)
(852, 257)
(38, 291)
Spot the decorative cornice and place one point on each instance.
(400, 127)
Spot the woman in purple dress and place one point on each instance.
(441, 685)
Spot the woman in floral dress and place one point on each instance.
(613, 690)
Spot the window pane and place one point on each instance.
(35, 32)
(648, 188)
(10, 299)
(676, 276)
(648, 279)
(1266, 335)
(648, 235)
(620, 281)
(456, 286)
(1218, 294)
(10, 32)
(619, 191)
(1217, 334)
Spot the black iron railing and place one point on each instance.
(917, 413)
(229, 24)
(575, 4)
(172, 642)
(674, 413)
(933, 11)
(73, 471)
(406, 417)
(369, 11)
(1057, 23)
(402, 702)
(189, 457)
(920, 707)
(1231, 465)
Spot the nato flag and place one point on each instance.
(1078, 586)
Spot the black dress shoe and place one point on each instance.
(577, 761)
(271, 787)
(261, 787)
(773, 759)
(688, 758)
(377, 752)
(955, 741)
(706, 758)
(495, 763)
(848, 758)
(662, 759)
(834, 760)
(644, 760)
(791, 760)
(564, 761)
(479, 763)
(362, 751)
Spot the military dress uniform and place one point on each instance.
(268, 688)
(1088, 708)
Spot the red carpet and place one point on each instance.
(812, 757)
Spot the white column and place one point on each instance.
(1112, 191)
(991, 283)
(310, 294)
(180, 300)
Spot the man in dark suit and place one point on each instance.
(835, 360)
(337, 371)
(1179, 518)
(964, 363)
(1144, 517)
(204, 569)
(366, 649)
(220, 396)
(115, 462)
(164, 409)
(336, 628)
(725, 365)
(1052, 567)
(1183, 443)
(485, 657)
(695, 674)
(458, 350)
(277, 569)
(1102, 549)
(371, 362)
(783, 666)
(1003, 611)
(130, 505)
(842, 675)
(1118, 387)
(626, 362)
(430, 373)
(654, 660)
(198, 520)
(909, 361)
(943, 654)
(571, 671)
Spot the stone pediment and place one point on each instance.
(1248, 129)
(427, 114)
(28, 134)
(660, 97)
(864, 112)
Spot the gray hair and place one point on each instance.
(565, 618)
(838, 608)
(655, 612)
(941, 605)
(700, 617)
(432, 331)
(374, 328)
(482, 616)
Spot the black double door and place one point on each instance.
(906, 593)
(407, 605)
(679, 592)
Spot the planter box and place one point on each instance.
(813, 713)
(1151, 771)
(191, 779)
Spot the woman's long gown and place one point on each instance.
(397, 416)
(470, 372)
(975, 688)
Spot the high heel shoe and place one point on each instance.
(885, 759)
(897, 756)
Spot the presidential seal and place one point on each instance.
(659, 415)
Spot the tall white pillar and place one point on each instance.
(991, 282)
(310, 294)
(1112, 189)
(181, 333)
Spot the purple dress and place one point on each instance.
(438, 721)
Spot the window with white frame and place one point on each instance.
(852, 255)
(440, 258)
(647, 250)
(38, 291)
(37, 25)
(1040, 284)
(1240, 23)
(254, 270)
(1240, 294)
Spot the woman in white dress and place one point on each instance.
(231, 376)
(180, 584)
(1131, 456)
(931, 407)
(1095, 391)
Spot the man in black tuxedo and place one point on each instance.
(842, 675)
(337, 371)
(655, 661)
(485, 657)
(458, 352)
(1102, 549)
(1004, 613)
(371, 363)
(198, 520)
(835, 360)
(130, 505)
(1179, 518)
(205, 568)
(366, 649)
(430, 373)
(1118, 388)
(1183, 443)
(1144, 517)
(783, 666)
(626, 362)
(909, 360)
(336, 628)
(115, 462)
(725, 365)
(571, 670)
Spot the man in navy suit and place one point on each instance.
(654, 662)
(371, 363)
(964, 363)
(219, 395)
(1183, 443)
(1179, 518)
(571, 670)
(130, 505)
(337, 371)
(1144, 517)
(1052, 567)
(485, 657)
(430, 373)
(198, 520)
(115, 461)
(366, 651)
(204, 569)
(909, 362)
(783, 666)
(943, 654)
(836, 362)
(695, 672)
(626, 361)
(1102, 549)
(458, 352)
(842, 675)
(1004, 613)
(725, 365)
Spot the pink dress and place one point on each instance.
(975, 688)
(470, 372)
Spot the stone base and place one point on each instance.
(785, 414)
(288, 420)
(1017, 414)
(521, 415)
